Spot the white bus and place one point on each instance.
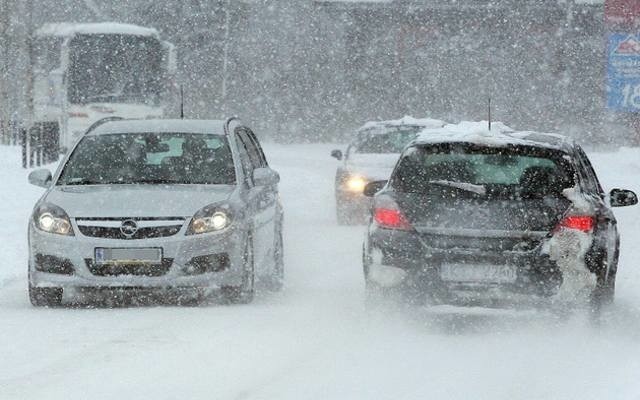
(86, 72)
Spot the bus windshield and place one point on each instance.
(114, 69)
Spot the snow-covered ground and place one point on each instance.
(313, 341)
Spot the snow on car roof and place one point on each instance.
(499, 135)
(427, 123)
(160, 126)
(105, 28)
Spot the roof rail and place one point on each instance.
(100, 122)
(228, 122)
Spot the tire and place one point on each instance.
(275, 281)
(45, 297)
(244, 293)
(604, 293)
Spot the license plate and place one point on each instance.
(478, 273)
(128, 255)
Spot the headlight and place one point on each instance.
(355, 184)
(52, 219)
(212, 218)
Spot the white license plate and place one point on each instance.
(478, 273)
(128, 255)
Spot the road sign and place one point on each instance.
(623, 72)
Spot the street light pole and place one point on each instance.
(225, 57)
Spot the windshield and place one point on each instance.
(384, 140)
(150, 158)
(114, 68)
(517, 171)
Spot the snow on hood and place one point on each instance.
(427, 123)
(136, 200)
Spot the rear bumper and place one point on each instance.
(399, 259)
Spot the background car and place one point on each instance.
(178, 207)
(369, 157)
(471, 215)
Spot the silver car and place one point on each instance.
(170, 206)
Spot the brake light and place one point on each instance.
(391, 219)
(583, 223)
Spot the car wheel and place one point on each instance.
(244, 293)
(45, 297)
(275, 280)
(605, 290)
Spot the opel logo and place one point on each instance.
(129, 228)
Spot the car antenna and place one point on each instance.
(489, 113)
(181, 103)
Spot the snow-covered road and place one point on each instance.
(313, 340)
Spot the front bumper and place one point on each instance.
(399, 259)
(178, 250)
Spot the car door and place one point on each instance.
(262, 202)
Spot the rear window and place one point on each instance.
(515, 171)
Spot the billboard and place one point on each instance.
(623, 72)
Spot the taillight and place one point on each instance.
(583, 223)
(391, 219)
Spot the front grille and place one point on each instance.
(130, 269)
(147, 229)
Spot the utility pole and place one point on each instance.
(5, 43)
(225, 56)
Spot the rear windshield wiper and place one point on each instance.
(466, 186)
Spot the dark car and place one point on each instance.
(179, 207)
(471, 216)
(371, 156)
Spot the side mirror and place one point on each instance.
(622, 198)
(337, 154)
(265, 177)
(373, 187)
(40, 177)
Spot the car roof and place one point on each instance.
(407, 121)
(500, 135)
(160, 126)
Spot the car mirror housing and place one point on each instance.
(374, 187)
(41, 178)
(337, 154)
(265, 177)
(622, 198)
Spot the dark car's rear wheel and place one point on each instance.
(45, 297)
(605, 290)
(244, 293)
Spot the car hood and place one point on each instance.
(372, 166)
(102, 201)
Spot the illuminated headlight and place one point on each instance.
(213, 218)
(355, 184)
(52, 219)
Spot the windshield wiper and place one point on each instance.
(466, 186)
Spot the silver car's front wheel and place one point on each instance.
(244, 293)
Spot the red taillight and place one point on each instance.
(78, 114)
(583, 223)
(391, 219)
